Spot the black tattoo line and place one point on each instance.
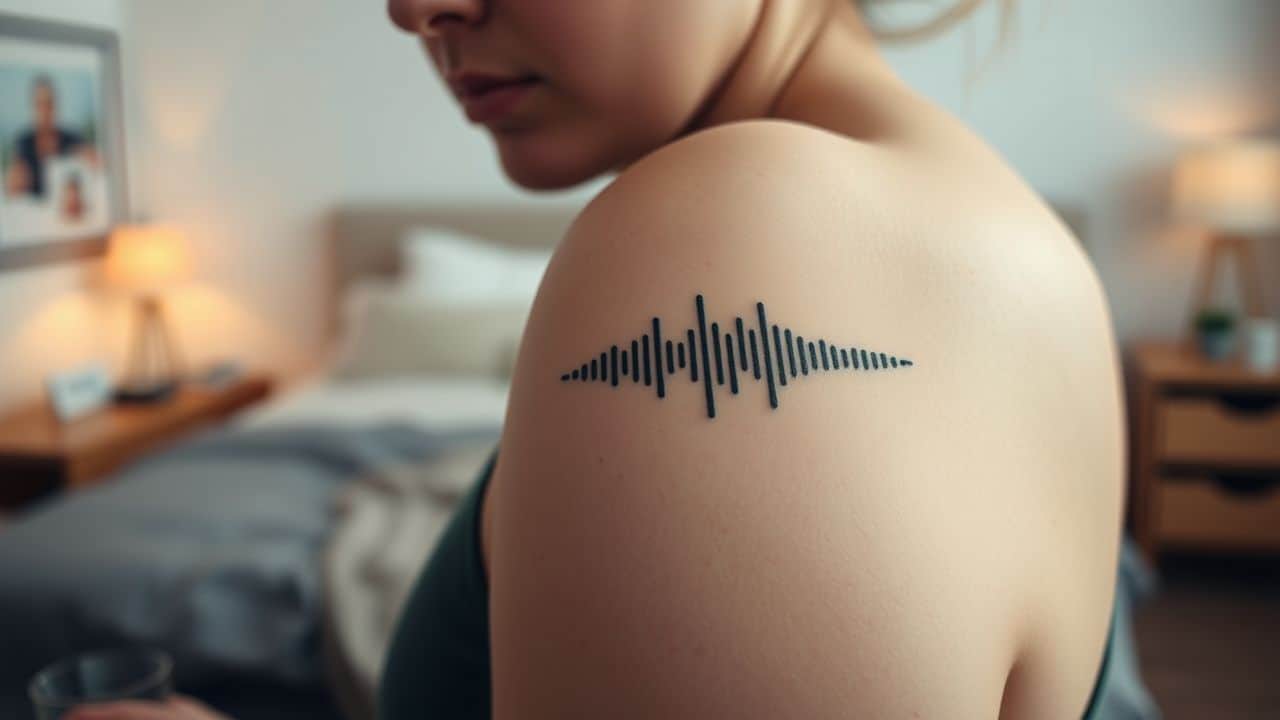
(705, 343)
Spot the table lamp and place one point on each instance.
(143, 261)
(1232, 189)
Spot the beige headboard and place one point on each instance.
(367, 237)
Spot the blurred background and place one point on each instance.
(320, 264)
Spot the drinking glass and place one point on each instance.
(101, 676)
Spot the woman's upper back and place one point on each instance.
(937, 538)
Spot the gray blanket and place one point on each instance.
(210, 550)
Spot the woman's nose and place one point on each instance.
(429, 18)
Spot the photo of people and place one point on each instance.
(55, 180)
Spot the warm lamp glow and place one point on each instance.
(145, 258)
(1233, 187)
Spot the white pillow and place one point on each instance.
(393, 333)
(449, 267)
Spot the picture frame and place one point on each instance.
(62, 155)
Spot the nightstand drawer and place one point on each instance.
(1201, 513)
(1206, 431)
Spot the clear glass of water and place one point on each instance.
(101, 676)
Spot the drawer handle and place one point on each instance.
(1246, 485)
(1249, 403)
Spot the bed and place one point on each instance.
(269, 557)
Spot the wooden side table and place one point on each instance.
(38, 454)
(1205, 452)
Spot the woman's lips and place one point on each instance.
(487, 98)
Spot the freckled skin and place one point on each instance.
(934, 541)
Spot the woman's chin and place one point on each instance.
(537, 166)
(543, 176)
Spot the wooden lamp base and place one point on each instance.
(1223, 249)
(153, 359)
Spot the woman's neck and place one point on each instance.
(816, 62)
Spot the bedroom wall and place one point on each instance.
(47, 318)
(254, 120)
(249, 121)
(239, 144)
(1092, 100)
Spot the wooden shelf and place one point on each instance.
(39, 454)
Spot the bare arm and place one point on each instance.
(827, 552)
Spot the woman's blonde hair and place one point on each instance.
(939, 23)
(942, 21)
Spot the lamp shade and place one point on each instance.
(145, 258)
(1231, 187)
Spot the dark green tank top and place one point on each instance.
(438, 663)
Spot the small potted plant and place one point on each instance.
(1215, 330)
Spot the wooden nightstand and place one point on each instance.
(38, 454)
(1205, 452)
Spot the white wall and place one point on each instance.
(256, 119)
(1092, 101)
(47, 320)
(250, 120)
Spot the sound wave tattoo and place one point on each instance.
(711, 356)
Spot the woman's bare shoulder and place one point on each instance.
(958, 235)
(747, 445)
(743, 158)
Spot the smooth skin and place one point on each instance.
(935, 542)
(939, 542)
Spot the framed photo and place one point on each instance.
(62, 180)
